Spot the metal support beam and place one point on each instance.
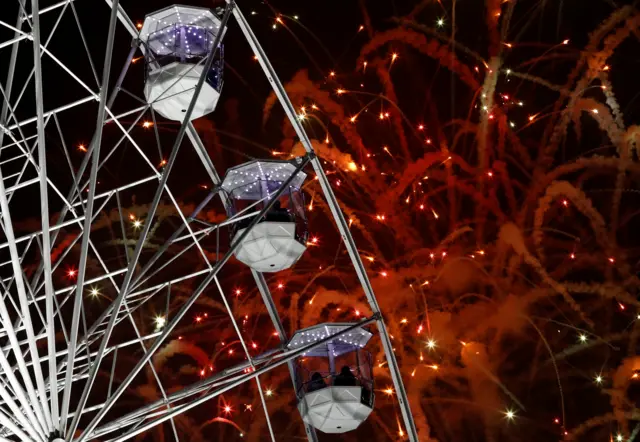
(53, 419)
(82, 266)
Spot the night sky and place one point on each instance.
(485, 155)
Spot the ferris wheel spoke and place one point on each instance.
(122, 229)
(51, 413)
(15, 347)
(159, 407)
(17, 326)
(40, 404)
(28, 154)
(80, 368)
(95, 158)
(27, 418)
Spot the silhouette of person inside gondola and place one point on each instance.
(345, 378)
(278, 213)
(316, 383)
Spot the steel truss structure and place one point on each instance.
(53, 345)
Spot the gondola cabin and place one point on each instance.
(334, 381)
(279, 238)
(177, 41)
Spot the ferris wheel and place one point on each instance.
(59, 356)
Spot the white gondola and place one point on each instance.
(280, 238)
(334, 381)
(177, 40)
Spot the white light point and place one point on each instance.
(160, 321)
(599, 379)
(583, 338)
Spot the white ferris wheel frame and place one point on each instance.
(38, 416)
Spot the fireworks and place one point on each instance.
(493, 189)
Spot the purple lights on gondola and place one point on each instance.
(177, 41)
(184, 40)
